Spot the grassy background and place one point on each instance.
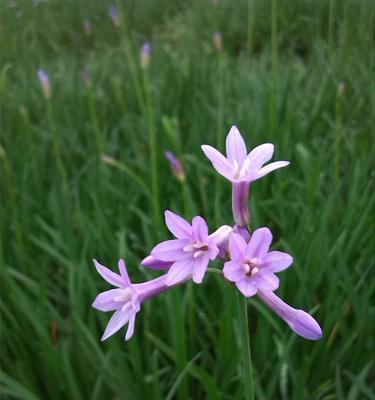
(295, 73)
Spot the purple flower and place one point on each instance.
(112, 12)
(241, 168)
(45, 83)
(176, 166)
(298, 320)
(152, 262)
(252, 266)
(87, 26)
(126, 299)
(192, 250)
(86, 77)
(218, 41)
(144, 55)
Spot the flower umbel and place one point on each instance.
(192, 250)
(249, 263)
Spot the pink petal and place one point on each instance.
(220, 236)
(236, 147)
(213, 251)
(200, 229)
(123, 271)
(220, 163)
(269, 168)
(266, 280)
(171, 250)
(152, 262)
(233, 271)
(200, 268)
(260, 155)
(247, 287)
(130, 330)
(109, 276)
(276, 261)
(177, 225)
(259, 243)
(299, 321)
(104, 301)
(179, 272)
(237, 246)
(117, 321)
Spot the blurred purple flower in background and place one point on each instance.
(87, 26)
(112, 12)
(45, 83)
(218, 41)
(144, 55)
(176, 166)
(86, 77)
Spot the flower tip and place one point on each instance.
(306, 326)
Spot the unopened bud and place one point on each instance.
(176, 166)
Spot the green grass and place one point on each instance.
(296, 73)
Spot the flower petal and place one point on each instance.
(179, 272)
(104, 301)
(130, 330)
(237, 246)
(219, 162)
(117, 321)
(109, 276)
(247, 287)
(235, 145)
(276, 261)
(266, 280)
(124, 272)
(177, 225)
(152, 262)
(200, 268)
(171, 250)
(299, 321)
(200, 229)
(233, 271)
(220, 236)
(260, 155)
(260, 243)
(269, 168)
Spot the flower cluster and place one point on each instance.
(248, 261)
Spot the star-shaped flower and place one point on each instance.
(239, 166)
(191, 251)
(252, 266)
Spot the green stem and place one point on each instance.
(153, 149)
(245, 347)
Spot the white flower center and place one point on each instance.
(197, 248)
(240, 171)
(251, 266)
(124, 296)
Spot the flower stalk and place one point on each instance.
(247, 366)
